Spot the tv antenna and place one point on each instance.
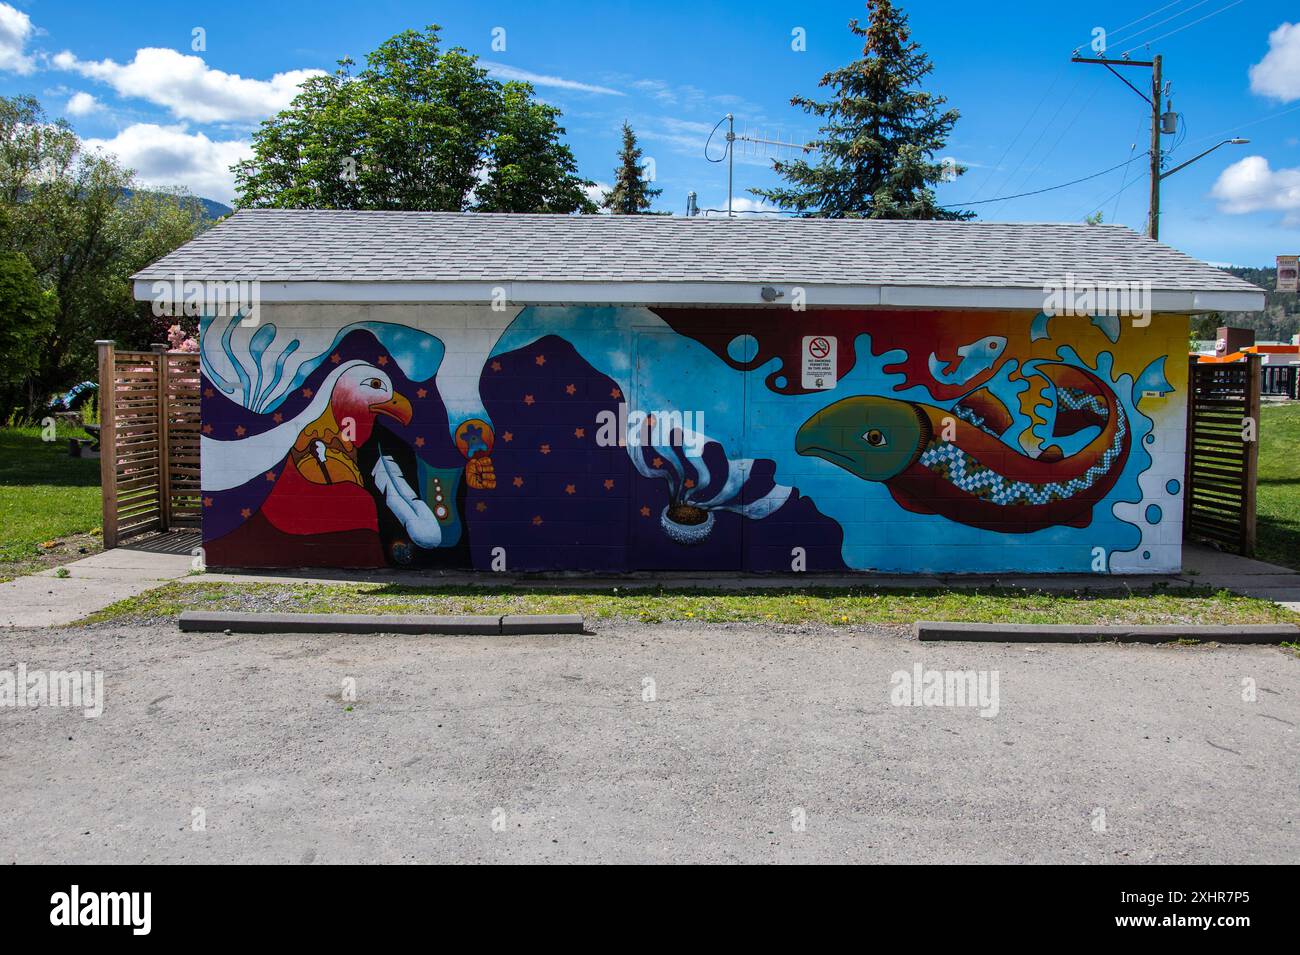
(752, 145)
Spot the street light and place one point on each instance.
(1227, 142)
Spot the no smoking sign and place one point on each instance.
(819, 362)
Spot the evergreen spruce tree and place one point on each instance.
(879, 134)
(632, 192)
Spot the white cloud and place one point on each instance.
(684, 135)
(188, 87)
(1278, 74)
(658, 89)
(15, 30)
(689, 97)
(165, 156)
(503, 72)
(1249, 185)
(596, 191)
(82, 104)
(688, 138)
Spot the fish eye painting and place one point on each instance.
(549, 438)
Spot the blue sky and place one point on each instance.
(1030, 119)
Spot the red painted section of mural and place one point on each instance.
(931, 339)
(299, 506)
(258, 543)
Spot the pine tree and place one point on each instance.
(879, 135)
(632, 193)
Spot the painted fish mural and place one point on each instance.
(972, 360)
(465, 436)
(954, 463)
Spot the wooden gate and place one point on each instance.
(1222, 453)
(149, 441)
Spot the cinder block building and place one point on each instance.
(617, 393)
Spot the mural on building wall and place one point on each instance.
(625, 438)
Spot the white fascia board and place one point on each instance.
(694, 293)
(1162, 300)
(1228, 301)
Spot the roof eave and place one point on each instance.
(693, 293)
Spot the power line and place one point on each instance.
(1115, 34)
(1015, 139)
(1124, 183)
(1036, 192)
(1253, 122)
(1115, 195)
(1147, 16)
(954, 205)
(1183, 27)
(1042, 159)
(1180, 13)
(1042, 132)
(737, 213)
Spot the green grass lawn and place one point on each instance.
(1277, 506)
(833, 606)
(46, 498)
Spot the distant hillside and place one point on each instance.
(211, 209)
(1279, 320)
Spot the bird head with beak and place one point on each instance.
(361, 393)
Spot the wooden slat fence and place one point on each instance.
(1222, 453)
(149, 441)
(1280, 380)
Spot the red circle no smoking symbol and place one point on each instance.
(819, 348)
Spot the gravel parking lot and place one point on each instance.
(645, 744)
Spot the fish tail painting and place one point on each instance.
(629, 438)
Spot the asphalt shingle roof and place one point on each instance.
(278, 245)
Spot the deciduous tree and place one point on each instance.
(420, 128)
(83, 228)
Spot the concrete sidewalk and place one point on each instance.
(1207, 567)
(46, 600)
(92, 583)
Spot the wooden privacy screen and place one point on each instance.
(149, 441)
(1219, 496)
(1280, 380)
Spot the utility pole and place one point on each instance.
(731, 156)
(1153, 221)
(1157, 91)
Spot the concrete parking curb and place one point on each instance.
(197, 621)
(1085, 633)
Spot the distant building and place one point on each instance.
(1279, 361)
